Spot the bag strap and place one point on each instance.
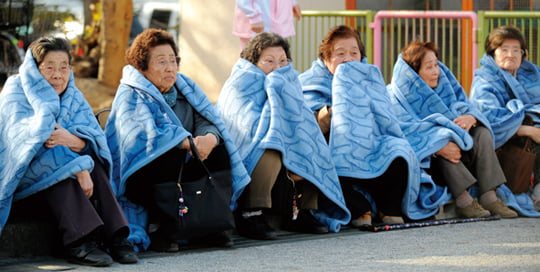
(527, 146)
(197, 156)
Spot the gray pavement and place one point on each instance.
(500, 245)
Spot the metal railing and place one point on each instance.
(527, 21)
(314, 25)
(452, 31)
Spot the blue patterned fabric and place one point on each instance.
(142, 126)
(29, 110)
(505, 99)
(426, 115)
(365, 137)
(268, 112)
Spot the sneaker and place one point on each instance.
(160, 243)
(498, 207)
(536, 201)
(392, 220)
(362, 221)
(88, 253)
(253, 225)
(472, 211)
(306, 223)
(122, 251)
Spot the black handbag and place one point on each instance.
(204, 202)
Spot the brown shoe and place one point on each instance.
(498, 207)
(472, 211)
(364, 220)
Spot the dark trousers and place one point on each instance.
(77, 215)
(140, 187)
(386, 190)
(478, 165)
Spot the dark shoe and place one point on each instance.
(254, 226)
(221, 239)
(160, 243)
(306, 223)
(88, 254)
(122, 251)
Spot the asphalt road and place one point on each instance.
(500, 245)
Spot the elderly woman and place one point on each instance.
(154, 112)
(448, 130)
(507, 90)
(53, 149)
(377, 167)
(263, 108)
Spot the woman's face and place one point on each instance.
(429, 69)
(508, 56)
(55, 68)
(162, 67)
(272, 58)
(343, 50)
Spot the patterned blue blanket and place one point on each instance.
(505, 99)
(365, 137)
(268, 112)
(29, 110)
(142, 126)
(426, 116)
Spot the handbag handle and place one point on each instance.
(527, 146)
(197, 156)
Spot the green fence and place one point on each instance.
(527, 21)
(314, 25)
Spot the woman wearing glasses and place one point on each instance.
(54, 152)
(154, 111)
(262, 106)
(507, 90)
(452, 136)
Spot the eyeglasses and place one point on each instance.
(513, 51)
(164, 62)
(272, 63)
(50, 69)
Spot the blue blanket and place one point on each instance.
(505, 99)
(141, 127)
(29, 110)
(426, 116)
(365, 137)
(268, 112)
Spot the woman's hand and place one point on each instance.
(451, 152)
(466, 121)
(86, 183)
(529, 131)
(324, 117)
(61, 136)
(204, 144)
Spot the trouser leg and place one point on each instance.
(74, 212)
(482, 160)
(106, 203)
(258, 193)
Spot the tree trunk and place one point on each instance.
(114, 36)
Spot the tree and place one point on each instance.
(114, 36)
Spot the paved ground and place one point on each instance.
(500, 245)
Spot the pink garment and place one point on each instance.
(277, 17)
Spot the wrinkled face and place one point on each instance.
(508, 56)
(429, 69)
(56, 69)
(162, 67)
(344, 50)
(272, 58)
